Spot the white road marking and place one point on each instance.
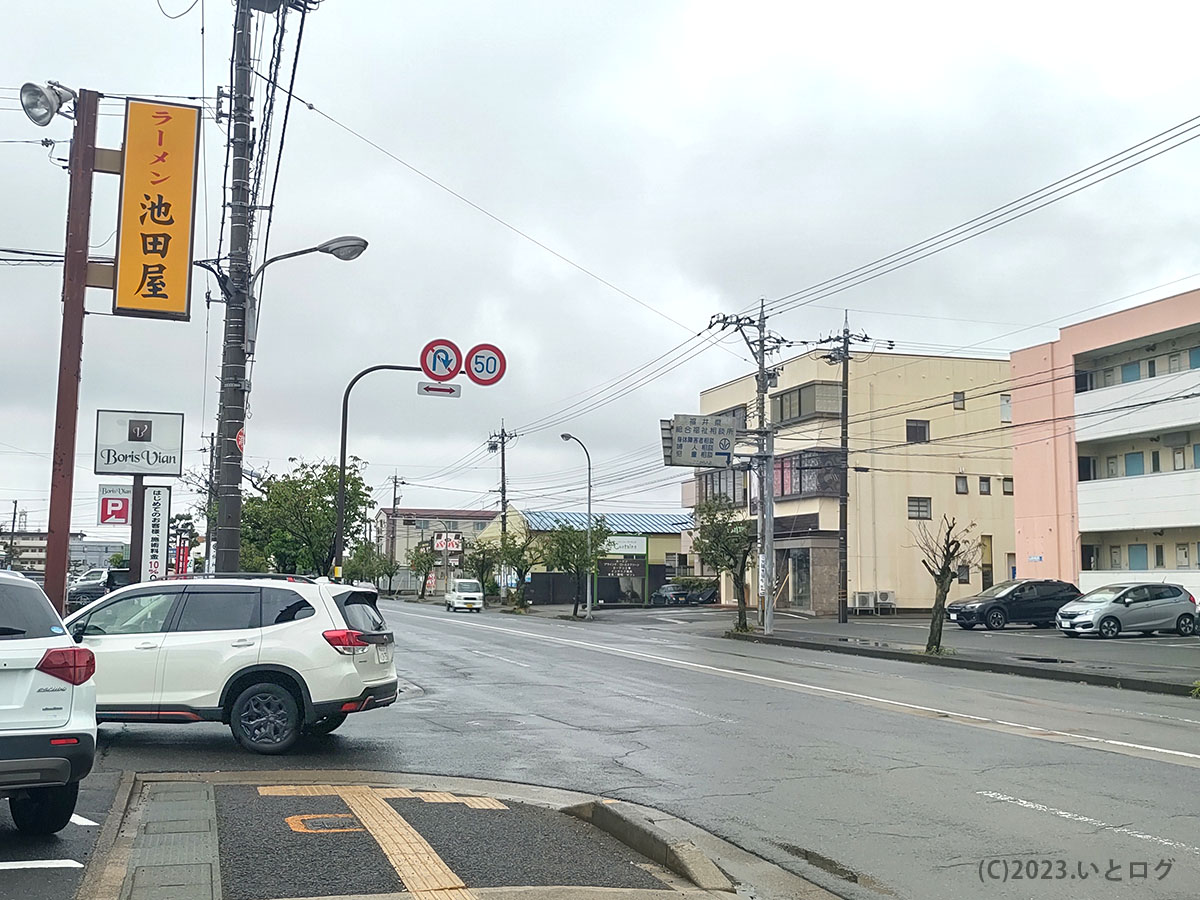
(41, 864)
(77, 819)
(1147, 715)
(672, 621)
(1036, 730)
(1088, 820)
(502, 659)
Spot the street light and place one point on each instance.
(571, 437)
(42, 102)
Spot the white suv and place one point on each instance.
(464, 593)
(270, 656)
(47, 709)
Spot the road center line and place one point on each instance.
(77, 819)
(1035, 730)
(1088, 820)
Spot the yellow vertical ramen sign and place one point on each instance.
(155, 219)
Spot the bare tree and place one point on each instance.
(944, 551)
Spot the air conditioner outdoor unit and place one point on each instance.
(863, 600)
(886, 598)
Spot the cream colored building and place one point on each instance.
(927, 436)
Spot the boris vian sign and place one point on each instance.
(139, 443)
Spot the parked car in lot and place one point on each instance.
(1146, 607)
(93, 585)
(669, 595)
(708, 595)
(464, 593)
(47, 709)
(1033, 601)
(272, 657)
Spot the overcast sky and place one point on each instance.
(697, 156)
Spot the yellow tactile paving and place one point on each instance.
(425, 874)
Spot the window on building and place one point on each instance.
(985, 485)
(480, 526)
(1006, 484)
(1135, 464)
(1174, 363)
(452, 524)
(1109, 377)
(1154, 462)
(1178, 460)
(738, 414)
(960, 484)
(1181, 556)
(1087, 468)
(1114, 557)
(1130, 372)
(1006, 407)
(920, 508)
(817, 398)
(960, 400)
(1090, 555)
(1151, 368)
(1196, 456)
(1194, 358)
(964, 574)
(423, 524)
(917, 431)
(1137, 557)
(1160, 557)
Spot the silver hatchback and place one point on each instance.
(1144, 607)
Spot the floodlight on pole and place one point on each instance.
(42, 102)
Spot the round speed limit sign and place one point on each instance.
(485, 364)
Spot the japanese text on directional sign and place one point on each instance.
(156, 515)
(441, 360)
(702, 441)
(155, 213)
(116, 502)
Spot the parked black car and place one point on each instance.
(84, 592)
(1034, 601)
(708, 595)
(669, 595)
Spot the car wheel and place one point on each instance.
(265, 719)
(1185, 625)
(1109, 627)
(327, 725)
(44, 810)
(966, 626)
(995, 619)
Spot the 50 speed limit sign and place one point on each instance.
(485, 364)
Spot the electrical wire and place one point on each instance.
(180, 15)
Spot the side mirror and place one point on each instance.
(78, 630)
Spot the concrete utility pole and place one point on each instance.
(499, 441)
(210, 503)
(762, 345)
(841, 354)
(392, 518)
(234, 386)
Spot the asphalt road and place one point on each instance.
(911, 777)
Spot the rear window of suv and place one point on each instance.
(26, 613)
(359, 610)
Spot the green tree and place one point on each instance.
(421, 561)
(290, 525)
(365, 563)
(389, 569)
(480, 561)
(723, 539)
(521, 553)
(943, 553)
(567, 551)
(118, 561)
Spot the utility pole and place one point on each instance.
(234, 386)
(499, 441)
(392, 518)
(762, 345)
(841, 354)
(210, 504)
(12, 537)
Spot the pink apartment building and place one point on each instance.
(1106, 448)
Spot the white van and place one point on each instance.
(464, 593)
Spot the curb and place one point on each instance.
(682, 857)
(1147, 685)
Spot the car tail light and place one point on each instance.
(74, 665)
(346, 641)
(63, 742)
(1191, 597)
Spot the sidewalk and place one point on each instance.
(282, 834)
